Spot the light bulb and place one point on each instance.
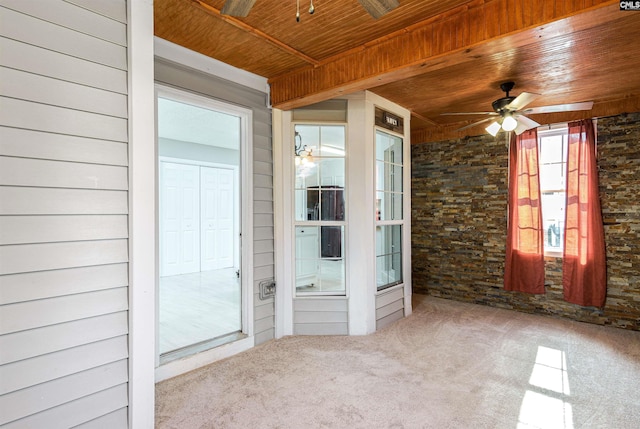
(493, 128)
(509, 123)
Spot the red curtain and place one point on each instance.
(524, 265)
(584, 270)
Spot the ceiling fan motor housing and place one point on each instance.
(500, 104)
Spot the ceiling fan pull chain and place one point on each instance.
(297, 10)
(311, 8)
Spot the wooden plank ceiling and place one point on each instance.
(430, 56)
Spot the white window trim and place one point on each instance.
(318, 223)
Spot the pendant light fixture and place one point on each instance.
(312, 9)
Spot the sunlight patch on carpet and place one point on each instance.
(546, 404)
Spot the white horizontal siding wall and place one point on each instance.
(175, 75)
(321, 316)
(63, 214)
(389, 306)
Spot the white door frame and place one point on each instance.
(245, 187)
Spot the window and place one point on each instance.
(320, 209)
(389, 200)
(552, 145)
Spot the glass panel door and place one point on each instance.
(199, 219)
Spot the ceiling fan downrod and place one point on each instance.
(500, 104)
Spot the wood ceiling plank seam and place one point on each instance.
(414, 66)
(476, 25)
(491, 20)
(515, 15)
(254, 31)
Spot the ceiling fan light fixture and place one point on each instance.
(509, 123)
(493, 128)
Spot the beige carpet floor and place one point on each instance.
(449, 365)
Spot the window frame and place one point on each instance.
(319, 223)
(380, 223)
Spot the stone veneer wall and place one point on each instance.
(459, 194)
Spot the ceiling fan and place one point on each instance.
(376, 8)
(509, 112)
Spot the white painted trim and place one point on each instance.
(361, 174)
(283, 232)
(142, 214)
(246, 224)
(246, 210)
(178, 54)
(198, 360)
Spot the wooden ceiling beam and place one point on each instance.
(477, 29)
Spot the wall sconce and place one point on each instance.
(303, 152)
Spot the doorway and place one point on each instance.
(201, 293)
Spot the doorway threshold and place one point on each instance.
(200, 347)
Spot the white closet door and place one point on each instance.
(179, 219)
(169, 219)
(217, 193)
(190, 182)
(209, 200)
(226, 215)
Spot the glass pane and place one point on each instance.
(331, 204)
(553, 222)
(388, 177)
(320, 266)
(388, 255)
(332, 141)
(332, 275)
(307, 135)
(331, 171)
(380, 175)
(388, 206)
(551, 149)
(396, 213)
(396, 182)
(306, 172)
(388, 148)
(551, 176)
(302, 204)
(311, 210)
(307, 256)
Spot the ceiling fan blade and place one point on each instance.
(475, 123)
(239, 8)
(378, 8)
(470, 113)
(569, 107)
(522, 100)
(524, 124)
